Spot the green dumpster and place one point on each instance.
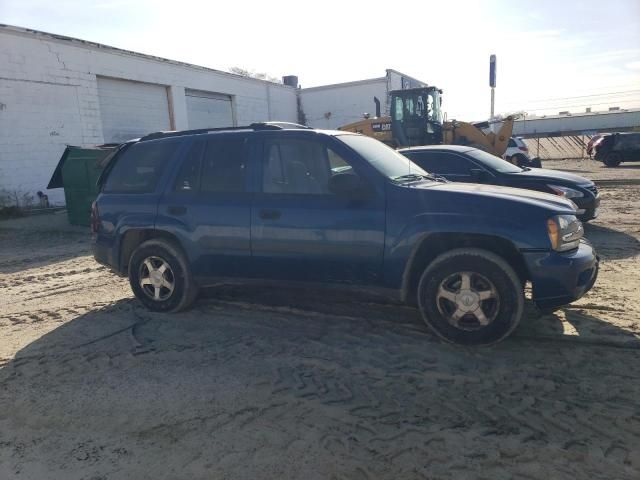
(77, 172)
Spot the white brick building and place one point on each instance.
(57, 91)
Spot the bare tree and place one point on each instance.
(253, 74)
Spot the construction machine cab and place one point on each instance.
(416, 116)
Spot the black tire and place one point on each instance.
(612, 159)
(503, 311)
(176, 273)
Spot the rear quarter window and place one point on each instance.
(140, 167)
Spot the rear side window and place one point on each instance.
(512, 143)
(224, 164)
(139, 168)
(188, 178)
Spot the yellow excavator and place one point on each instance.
(416, 119)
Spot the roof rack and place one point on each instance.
(254, 126)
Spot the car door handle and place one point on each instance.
(177, 210)
(270, 214)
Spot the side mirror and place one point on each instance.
(479, 175)
(347, 185)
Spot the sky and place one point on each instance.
(552, 55)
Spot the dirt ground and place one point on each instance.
(265, 383)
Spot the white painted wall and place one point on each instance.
(332, 106)
(578, 122)
(37, 121)
(49, 98)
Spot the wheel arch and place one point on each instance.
(132, 238)
(435, 244)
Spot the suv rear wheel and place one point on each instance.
(160, 277)
(470, 297)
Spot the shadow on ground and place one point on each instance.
(612, 244)
(301, 384)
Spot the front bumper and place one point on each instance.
(562, 278)
(587, 207)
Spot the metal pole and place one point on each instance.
(493, 99)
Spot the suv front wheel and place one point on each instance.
(470, 296)
(160, 277)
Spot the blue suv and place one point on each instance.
(281, 202)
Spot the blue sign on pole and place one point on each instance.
(492, 71)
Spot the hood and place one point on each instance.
(551, 176)
(540, 199)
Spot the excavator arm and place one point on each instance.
(463, 133)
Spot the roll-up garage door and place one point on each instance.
(131, 109)
(208, 110)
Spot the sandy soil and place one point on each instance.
(264, 383)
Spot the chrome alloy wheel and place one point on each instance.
(468, 300)
(156, 278)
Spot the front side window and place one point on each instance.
(296, 166)
(139, 168)
(224, 164)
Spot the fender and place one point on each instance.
(402, 248)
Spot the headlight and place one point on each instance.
(566, 192)
(565, 232)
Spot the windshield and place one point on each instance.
(418, 105)
(383, 158)
(493, 162)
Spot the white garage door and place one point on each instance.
(37, 121)
(208, 110)
(131, 109)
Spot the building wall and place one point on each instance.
(332, 106)
(49, 98)
(578, 123)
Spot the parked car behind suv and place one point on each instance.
(182, 210)
(518, 153)
(466, 164)
(615, 148)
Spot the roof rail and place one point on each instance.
(253, 126)
(278, 126)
